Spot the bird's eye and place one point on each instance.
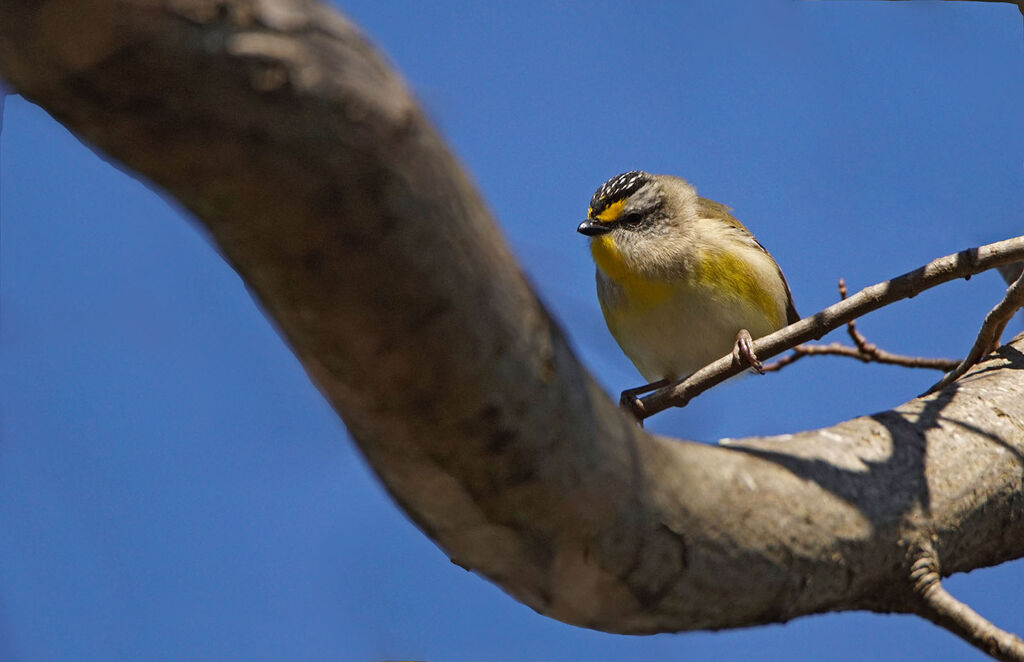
(630, 220)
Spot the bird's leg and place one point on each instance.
(743, 352)
(631, 403)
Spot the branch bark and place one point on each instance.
(321, 182)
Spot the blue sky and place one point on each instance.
(172, 487)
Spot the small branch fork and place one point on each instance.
(991, 331)
(958, 265)
(936, 604)
(865, 351)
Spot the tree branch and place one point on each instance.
(941, 608)
(991, 331)
(320, 181)
(867, 352)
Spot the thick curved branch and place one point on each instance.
(319, 179)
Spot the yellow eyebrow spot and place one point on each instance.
(612, 211)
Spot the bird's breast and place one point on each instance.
(608, 257)
(634, 290)
(670, 327)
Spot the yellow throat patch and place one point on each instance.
(641, 292)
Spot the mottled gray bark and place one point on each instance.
(319, 179)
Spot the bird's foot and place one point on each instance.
(630, 400)
(743, 352)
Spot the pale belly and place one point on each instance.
(681, 333)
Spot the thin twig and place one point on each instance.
(878, 356)
(991, 331)
(944, 269)
(800, 351)
(940, 607)
(851, 327)
(866, 352)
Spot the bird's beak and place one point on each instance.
(592, 228)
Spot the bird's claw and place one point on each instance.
(632, 404)
(743, 352)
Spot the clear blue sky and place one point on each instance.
(173, 488)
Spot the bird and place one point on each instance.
(680, 281)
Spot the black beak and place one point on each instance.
(593, 228)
